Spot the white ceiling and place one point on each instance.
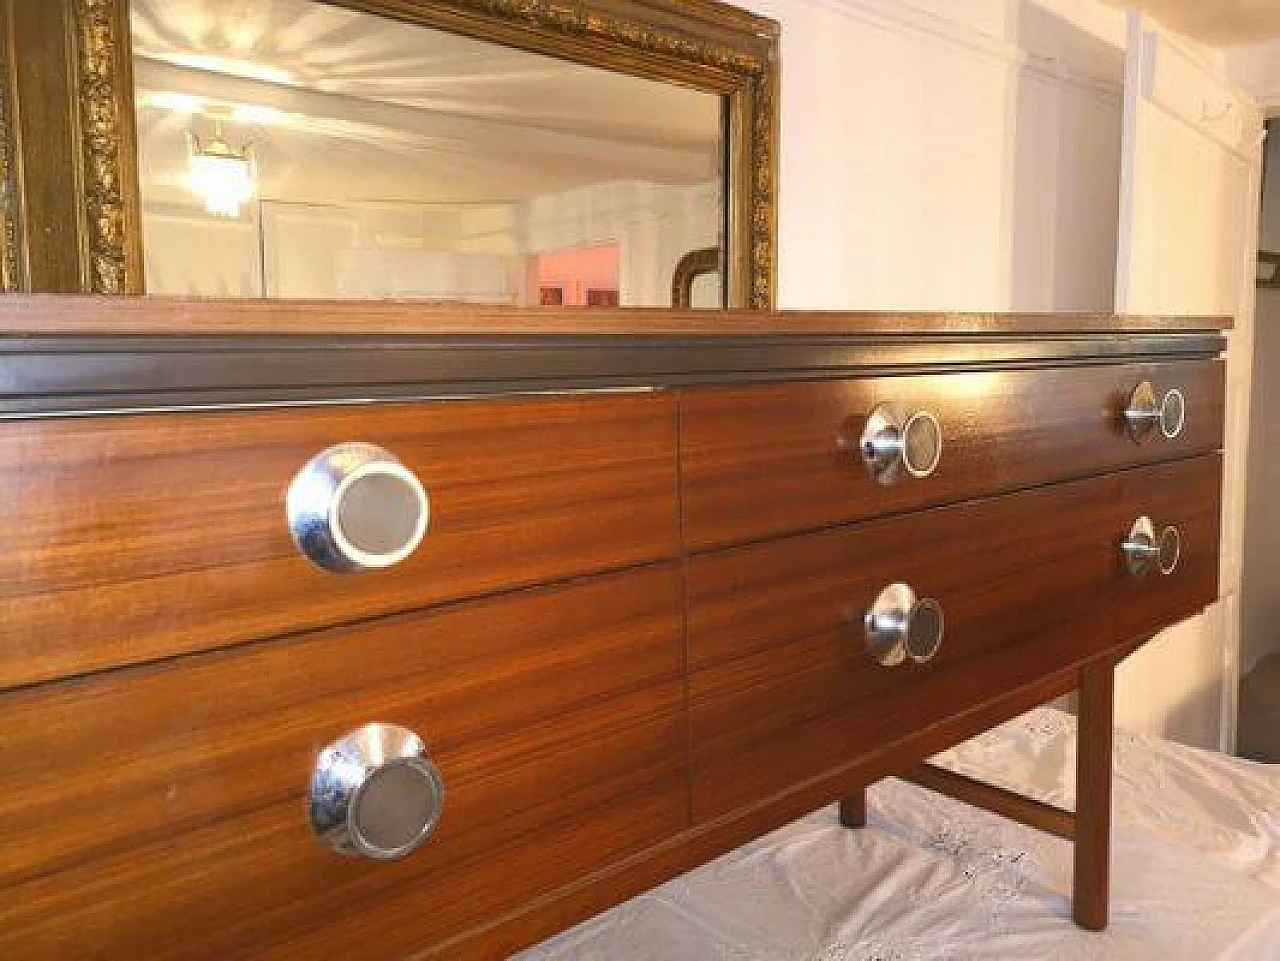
(1215, 21)
(342, 105)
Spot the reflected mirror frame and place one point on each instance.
(700, 44)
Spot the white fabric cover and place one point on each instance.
(1195, 871)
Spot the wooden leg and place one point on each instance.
(1093, 797)
(853, 810)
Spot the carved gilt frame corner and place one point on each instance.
(11, 268)
(697, 43)
(107, 155)
(68, 159)
(689, 268)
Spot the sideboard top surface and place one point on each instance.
(75, 354)
(88, 315)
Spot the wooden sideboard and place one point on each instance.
(634, 625)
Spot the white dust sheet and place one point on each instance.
(1195, 871)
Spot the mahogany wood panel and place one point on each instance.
(781, 688)
(35, 313)
(160, 811)
(393, 927)
(124, 539)
(767, 459)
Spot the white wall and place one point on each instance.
(1260, 596)
(1256, 67)
(188, 252)
(949, 154)
(387, 251)
(473, 253)
(1187, 245)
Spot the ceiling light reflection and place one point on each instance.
(221, 176)
(258, 116)
(231, 67)
(183, 103)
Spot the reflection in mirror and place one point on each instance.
(292, 149)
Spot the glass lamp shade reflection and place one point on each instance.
(222, 177)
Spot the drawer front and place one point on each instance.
(783, 687)
(769, 459)
(161, 811)
(124, 539)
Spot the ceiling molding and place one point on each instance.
(1216, 23)
(1255, 67)
(901, 16)
(1196, 92)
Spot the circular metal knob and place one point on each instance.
(375, 793)
(901, 626)
(891, 443)
(1145, 551)
(355, 507)
(1144, 413)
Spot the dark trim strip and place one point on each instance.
(60, 375)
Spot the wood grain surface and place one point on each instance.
(133, 538)
(36, 313)
(767, 459)
(609, 706)
(781, 687)
(160, 812)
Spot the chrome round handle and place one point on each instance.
(375, 793)
(892, 443)
(1173, 413)
(1145, 551)
(1145, 413)
(901, 626)
(355, 507)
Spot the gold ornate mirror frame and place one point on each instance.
(694, 264)
(68, 164)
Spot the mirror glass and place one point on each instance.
(293, 149)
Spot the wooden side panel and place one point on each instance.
(160, 812)
(764, 460)
(131, 538)
(782, 689)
